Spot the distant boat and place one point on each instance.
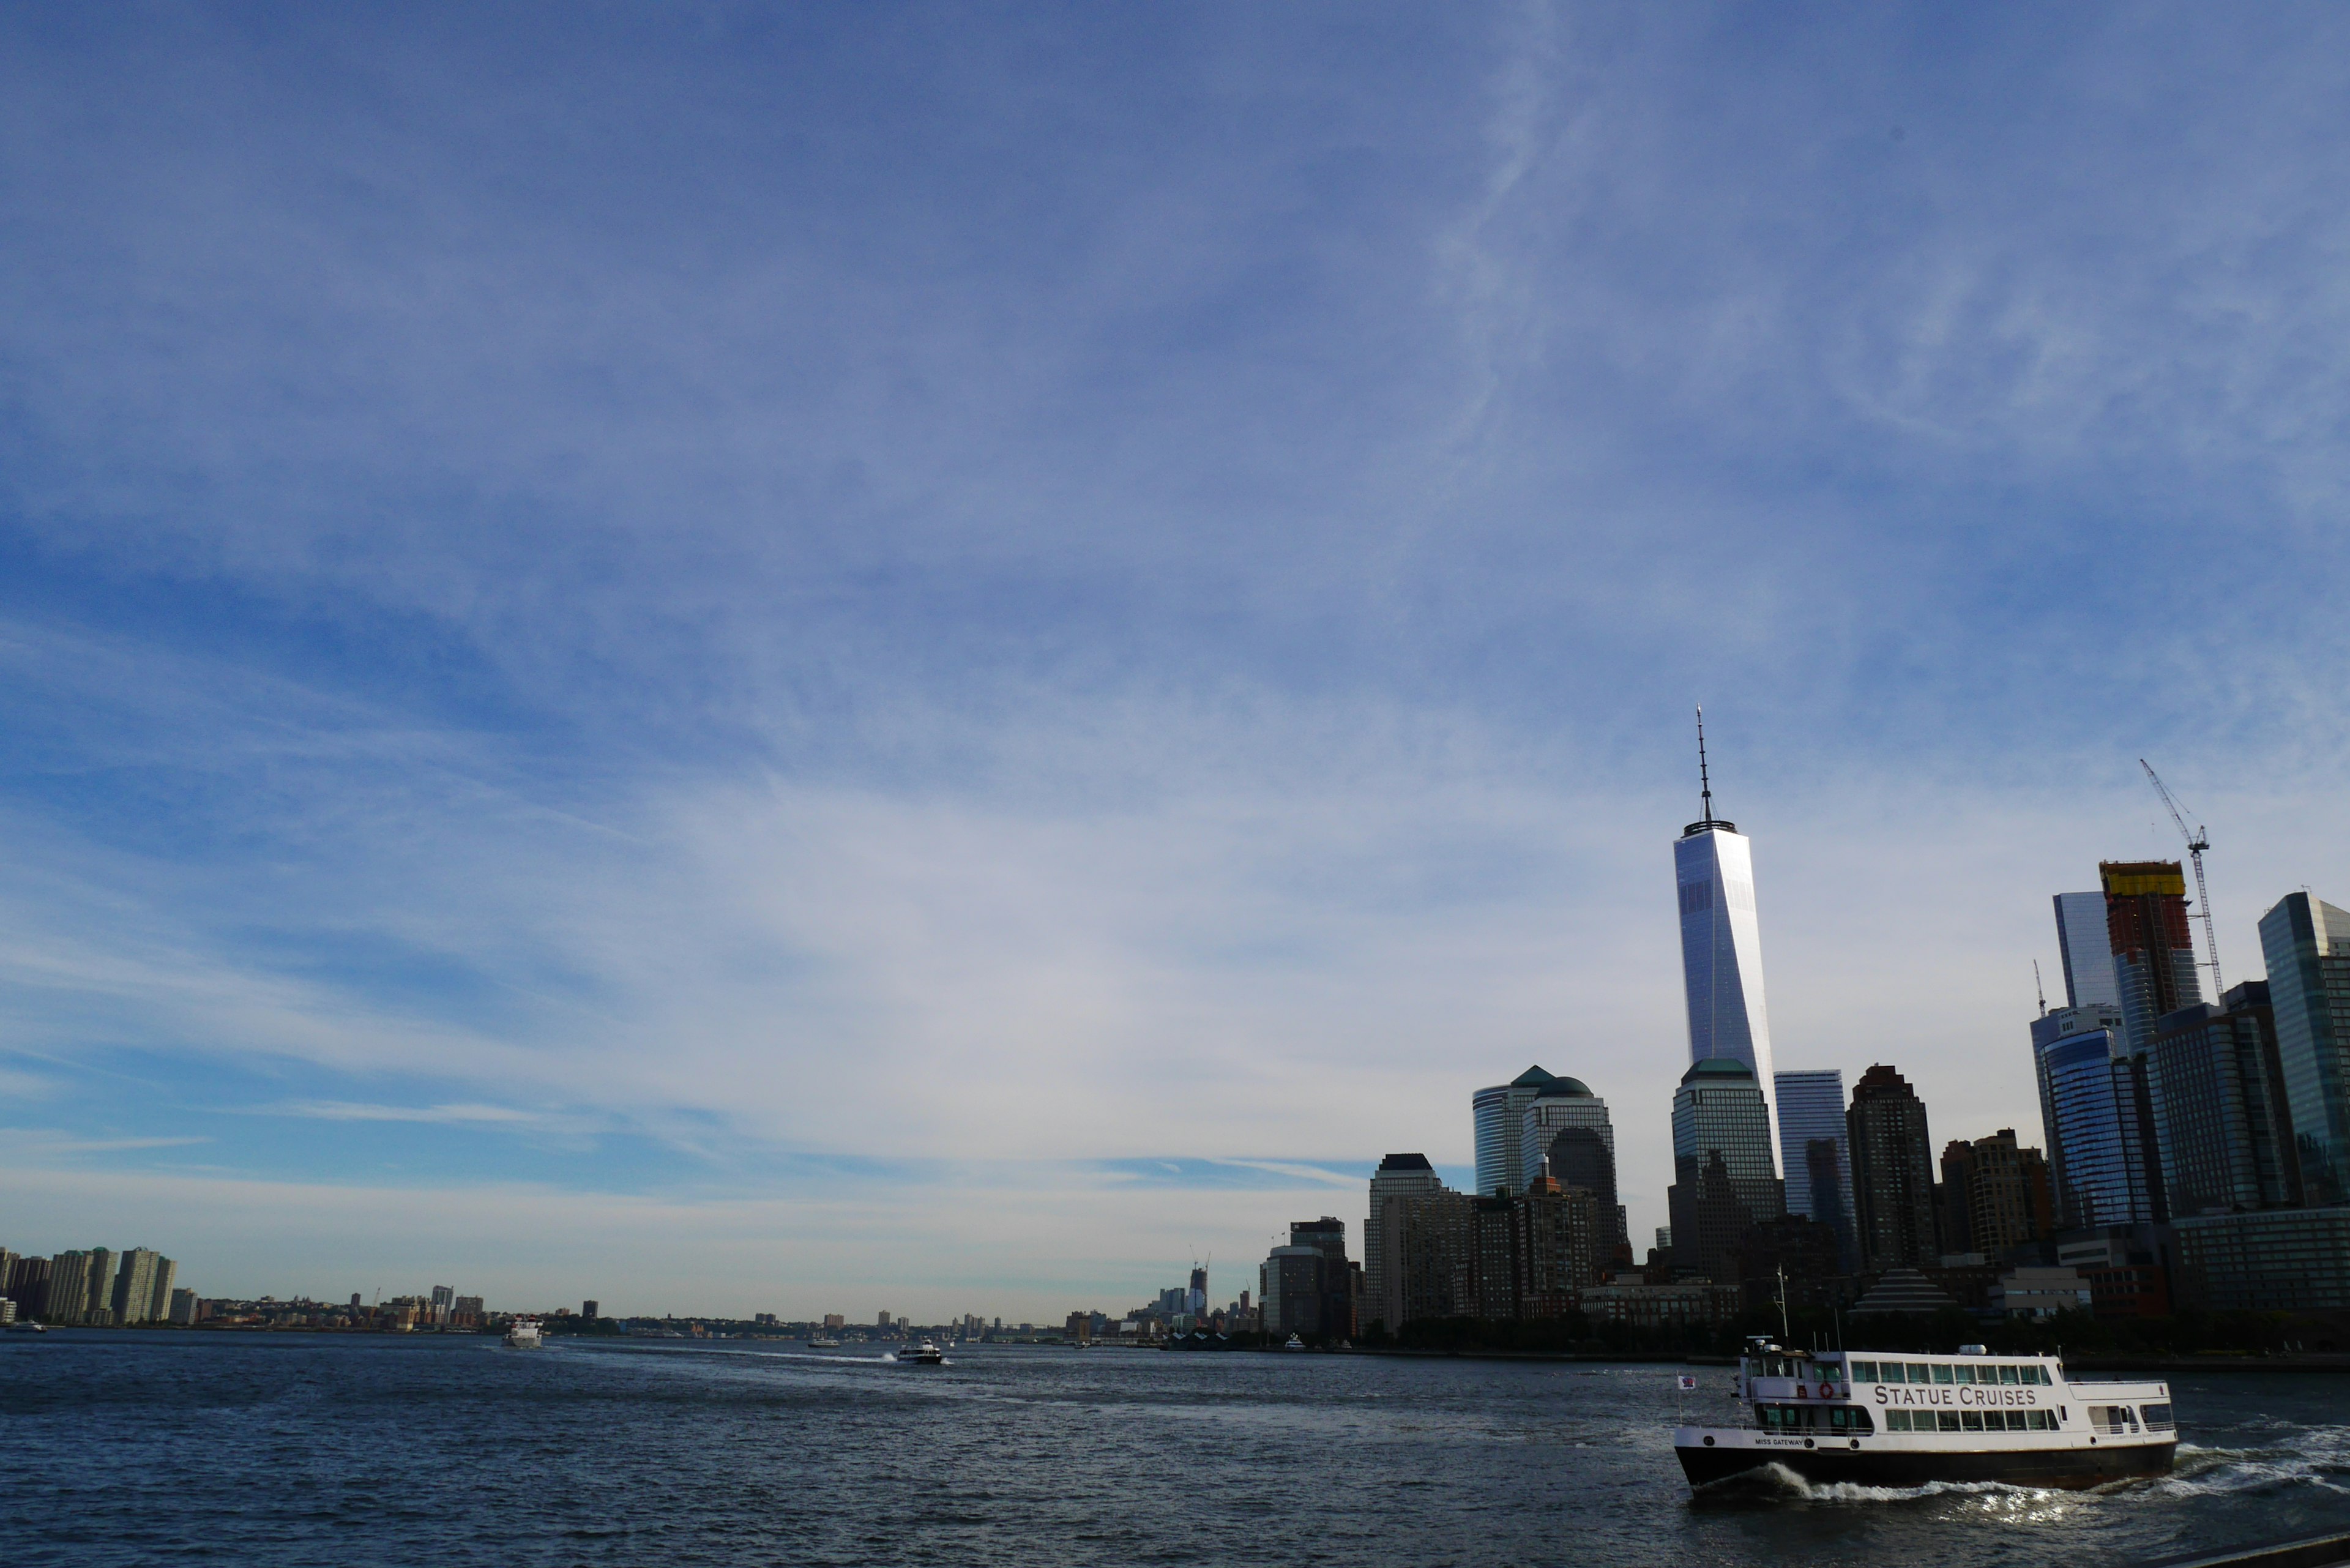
(1295, 1343)
(28, 1326)
(823, 1345)
(524, 1334)
(925, 1354)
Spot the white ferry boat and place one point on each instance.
(1883, 1418)
(925, 1354)
(522, 1335)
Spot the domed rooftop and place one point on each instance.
(1566, 1089)
(1719, 1069)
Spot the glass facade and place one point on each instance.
(1499, 1117)
(2283, 1260)
(1720, 1110)
(2087, 951)
(1721, 955)
(1399, 1175)
(1811, 1105)
(2307, 944)
(2217, 1086)
(1564, 1104)
(2093, 1094)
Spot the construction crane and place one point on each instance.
(2198, 841)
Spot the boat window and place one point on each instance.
(1963, 1373)
(1848, 1418)
(1896, 1420)
(2157, 1418)
(1995, 1420)
(1949, 1419)
(1864, 1372)
(1971, 1420)
(2009, 1374)
(2037, 1420)
(1918, 1373)
(1941, 1372)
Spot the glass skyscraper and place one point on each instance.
(2307, 944)
(2087, 947)
(1499, 1114)
(2098, 1119)
(1811, 1105)
(1719, 1112)
(2217, 1085)
(1721, 949)
(1563, 1103)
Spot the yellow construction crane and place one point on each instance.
(2198, 841)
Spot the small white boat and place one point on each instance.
(522, 1335)
(925, 1354)
(823, 1345)
(1295, 1343)
(30, 1325)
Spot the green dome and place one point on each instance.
(1566, 1089)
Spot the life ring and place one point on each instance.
(1828, 1390)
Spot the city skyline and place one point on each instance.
(946, 666)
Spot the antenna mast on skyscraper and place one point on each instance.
(2198, 841)
(1704, 781)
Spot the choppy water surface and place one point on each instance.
(136, 1448)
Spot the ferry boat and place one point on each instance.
(522, 1335)
(1901, 1419)
(925, 1354)
(823, 1343)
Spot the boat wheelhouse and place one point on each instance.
(1886, 1418)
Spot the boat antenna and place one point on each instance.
(1784, 1332)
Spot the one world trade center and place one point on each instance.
(1721, 945)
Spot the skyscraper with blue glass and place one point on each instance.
(1722, 947)
(2307, 944)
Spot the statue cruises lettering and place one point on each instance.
(1879, 1418)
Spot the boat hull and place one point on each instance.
(2067, 1468)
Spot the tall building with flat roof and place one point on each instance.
(2307, 944)
(1811, 1105)
(1722, 946)
(1720, 1116)
(1399, 1175)
(1892, 1173)
(2098, 1116)
(1499, 1114)
(2085, 945)
(2216, 1082)
(2154, 956)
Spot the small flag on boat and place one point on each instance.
(1689, 1382)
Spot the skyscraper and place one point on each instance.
(2085, 945)
(2098, 1119)
(134, 1287)
(1892, 1173)
(1722, 946)
(2307, 944)
(2153, 957)
(1499, 1114)
(1811, 1105)
(1560, 1104)
(2217, 1084)
(1997, 1196)
(1399, 1175)
(1724, 1179)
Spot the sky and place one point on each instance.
(921, 659)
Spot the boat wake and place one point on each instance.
(2315, 1459)
(1777, 1483)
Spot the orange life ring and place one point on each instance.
(1828, 1390)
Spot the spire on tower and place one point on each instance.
(1705, 787)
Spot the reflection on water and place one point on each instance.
(294, 1450)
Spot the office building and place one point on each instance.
(1996, 1196)
(184, 1309)
(2153, 957)
(2307, 944)
(1719, 1111)
(1428, 1250)
(1560, 1104)
(1722, 948)
(1811, 1105)
(1399, 1175)
(28, 1285)
(2215, 1082)
(2274, 1260)
(1562, 1236)
(2085, 946)
(1724, 1177)
(1289, 1285)
(1342, 1281)
(1892, 1173)
(2099, 1120)
(1499, 1114)
(1582, 1158)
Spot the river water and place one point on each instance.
(137, 1447)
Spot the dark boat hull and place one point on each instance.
(2064, 1468)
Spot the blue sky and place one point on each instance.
(934, 658)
